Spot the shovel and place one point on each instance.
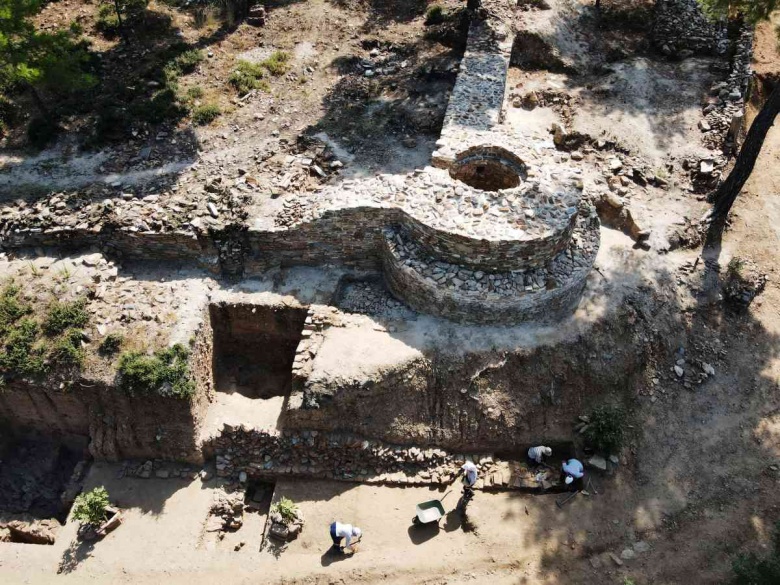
(563, 501)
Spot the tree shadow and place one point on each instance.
(621, 87)
(383, 13)
(77, 552)
(386, 112)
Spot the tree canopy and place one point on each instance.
(751, 10)
(56, 61)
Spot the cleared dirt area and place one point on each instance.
(697, 480)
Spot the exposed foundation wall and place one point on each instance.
(487, 401)
(118, 426)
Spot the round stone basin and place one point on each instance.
(488, 168)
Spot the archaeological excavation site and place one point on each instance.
(442, 276)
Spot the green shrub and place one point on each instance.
(194, 93)
(62, 316)
(161, 106)
(188, 61)
(277, 64)
(90, 507)
(111, 343)
(287, 509)
(165, 373)
(23, 354)
(67, 350)
(205, 114)
(107, 21)
(11, 309)
(434, 14)
(247, 76)
(606, 428)
(42, 131)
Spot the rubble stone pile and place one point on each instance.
(259, 453)
(682, 29)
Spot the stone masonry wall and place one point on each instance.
(262, 454)
(681, 29)
(542, 295)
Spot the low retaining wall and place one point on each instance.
(260, 454)
(469, 296)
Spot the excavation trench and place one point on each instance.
(254, 348)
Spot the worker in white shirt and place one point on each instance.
(573, 471)
(536, 455)
(469, 474)
(345, 531)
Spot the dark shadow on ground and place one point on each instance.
(76, 553)
(389, 120)
(333, 555)
(421, 533)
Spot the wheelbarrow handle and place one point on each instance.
(445, 495)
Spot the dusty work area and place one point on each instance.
(265, 267)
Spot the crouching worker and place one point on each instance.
(572, 473)
(348, 532)
(536, 455)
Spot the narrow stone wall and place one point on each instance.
(336, 456)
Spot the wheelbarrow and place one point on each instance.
(430, 511)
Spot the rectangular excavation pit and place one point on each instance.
(254, 348)
(39, 479)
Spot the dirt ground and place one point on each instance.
(698, 485)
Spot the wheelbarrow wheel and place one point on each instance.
(416, 521)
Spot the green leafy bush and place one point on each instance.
(752, 569)
(131, 11)
(194, 93)
(287, 509)
(23, 354)
(434, 14)
(23, 348)
(606, 428)
(90, 507)
(62, 316)
(107, 21)
(111, 343)
(248, 76)
(188, 61)
(165, 373)
(277, 64)
(11, 309)
(67, 350)
(205, 114)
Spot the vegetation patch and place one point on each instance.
(64, 316)
(205, 114)
(435, 14)
(606, 428)
(277, 64)
(91, 507)
(111, 344)
(248, 76)
(165, 373)
(33, 348)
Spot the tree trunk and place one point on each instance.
(727, 192)
(120, 23)
(39, 102)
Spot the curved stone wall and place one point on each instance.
(540, 295)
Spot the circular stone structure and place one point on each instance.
(488, 168)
